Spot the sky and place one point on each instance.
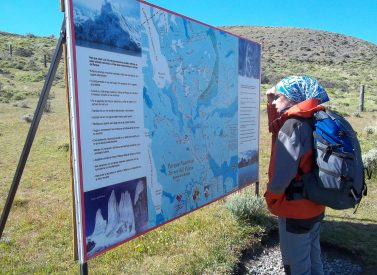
(356, 18)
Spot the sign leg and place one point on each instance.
(84, 268)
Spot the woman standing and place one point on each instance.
(290, 104)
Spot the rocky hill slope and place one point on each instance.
(24, 61)
(340, 61)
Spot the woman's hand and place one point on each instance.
(271, 94)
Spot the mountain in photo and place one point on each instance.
(108, 27)
(120, 224)
(125, 219)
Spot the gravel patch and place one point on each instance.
(267, 260)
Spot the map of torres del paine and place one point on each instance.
(169, 112)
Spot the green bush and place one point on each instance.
(23, 52)
(369, 130)
(18, 97)
(64, 147)
(247, 207)
(370, 161)
(48, 107)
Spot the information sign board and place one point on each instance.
(164, 117)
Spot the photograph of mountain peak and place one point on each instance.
(108, 26)
(114, 214)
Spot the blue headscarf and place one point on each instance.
(300, 88)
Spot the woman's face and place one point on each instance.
(282, 102)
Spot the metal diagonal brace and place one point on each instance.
(33, 127)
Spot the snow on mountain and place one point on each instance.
(126, 215)
(130, 25)
(141, 207)
(119, 226)
(138, 191)
(109, 27)
(82, 14)
(248, 154)
(100, 224)
(112, 216)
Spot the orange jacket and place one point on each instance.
(291, 151)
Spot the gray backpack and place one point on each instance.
(338, 180)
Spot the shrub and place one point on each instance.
(23, 52)
(5, 96)
(48, 107)
(18, 97)
(356, 114)
(370, 161)
(64, 147)
(20, 65)
(30, 35)
(271, 77)
(31, 65)
(247, 207)
(27, 118)
(22, 104)
(369, 130)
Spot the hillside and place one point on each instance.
(22, 65)
(339, 61)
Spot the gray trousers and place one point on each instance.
(300, 247)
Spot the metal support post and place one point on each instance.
(84, 268)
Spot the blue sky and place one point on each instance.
(356, 18)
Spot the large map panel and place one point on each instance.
(166, 117)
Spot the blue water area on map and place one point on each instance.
(160, 218)
(169, 196)
(210, 92)
(223, 33)
(225, 170)
(163, 169)
(229, 54)
(227, 112)
(174, 107)
(147, 99)
(186, 29)
(192, 126)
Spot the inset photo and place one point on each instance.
(115, 213)
(249, 59)
(247, 167)
(111, 26)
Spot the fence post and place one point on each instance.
(10, 50)
(361, 106)
(45, 60)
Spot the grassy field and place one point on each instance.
(38, 235)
